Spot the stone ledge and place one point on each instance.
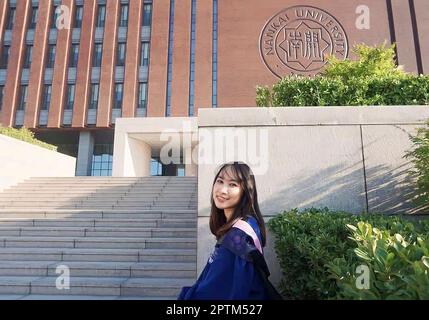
(312, 116)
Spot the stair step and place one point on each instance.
(150, 287)
(97, 255)
(100, 286)
(98, 242)
(96, 232)
(98, 269)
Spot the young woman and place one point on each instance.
(236, 268)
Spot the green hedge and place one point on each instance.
(26, 135)
(316, 252)
(321, 91)
(372, 79)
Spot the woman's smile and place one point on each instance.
(221, 199)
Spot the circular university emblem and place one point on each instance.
(298, 40)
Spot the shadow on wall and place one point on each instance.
(388, 191)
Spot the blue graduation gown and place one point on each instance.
(228, 275)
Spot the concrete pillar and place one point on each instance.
(131, 157)
(191, 168)
(84, 157)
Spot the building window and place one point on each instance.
(1, 96)
(120, 57)
(147, 15)
(5, 57)
(28, 56)
(144, 54)
(55, 15)
(51, 56)
(142, 95)
(70, 96)
(124, 16)
(98, 53)
(23, 98)
(102, 160)
(170, 59)
(119, 93)
(46, 97)
(34, 16)
(78, 17)
(192, 60)
(11, 18)
(74, 55)
(95, 88)
(155, 167)
(101, 16)
(214, 57)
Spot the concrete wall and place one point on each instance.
(345, 158)
(21, 160)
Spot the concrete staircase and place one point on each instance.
(121, 238)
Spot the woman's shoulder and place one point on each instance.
(251, 220)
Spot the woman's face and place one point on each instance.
(227, 191)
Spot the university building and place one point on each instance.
(70, 68)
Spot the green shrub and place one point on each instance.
(26, 135)
(371, 80)
(308, 242)
(377, 61)
(420, 158)
(397, 268)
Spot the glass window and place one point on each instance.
(144, 54)
(78, 17)
(101, 17)
(11, 19)
(102, 160)
(5, 57)
(74, 55)
(142, 95)
(47, 97)
(147, 15)
(119, 95)
(95, 88)
(124, 16)
(28, 56)
(34, 16)
(155, 167)
(23, 98)
(121, 54)
(214, 54)
(70, 96)
(55, 15)
(1, 96)
(170, 60)
(98, 53)
(51, 56)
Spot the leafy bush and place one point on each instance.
(397, 269)
(26, 135)
(314, 246)
(420, 159)
(377, 61)
(371, 80)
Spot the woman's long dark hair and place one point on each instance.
(248, 205)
